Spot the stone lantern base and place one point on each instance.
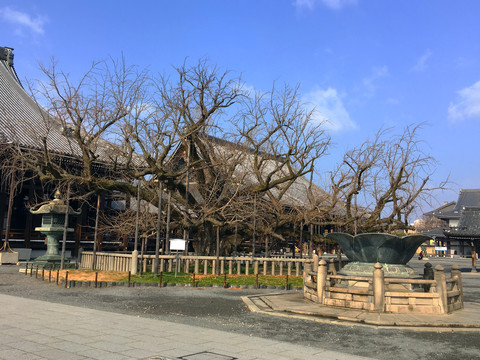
(8, 257)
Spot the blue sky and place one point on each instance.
(364, 64)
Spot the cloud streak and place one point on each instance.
(370, 83)
(421, 64)
(23, 20)
(467, 105)
(329, 109)
(331, 4)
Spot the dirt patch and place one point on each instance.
(88, 275)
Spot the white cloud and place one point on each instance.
(468, 104)
(369, 83)
(421, 64)
(245, 88)
(24, 20)
(331, 4)
(392, 101)
(329, 109)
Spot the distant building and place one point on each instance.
(458, 219)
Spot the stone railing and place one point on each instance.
(396, 295)
(200, 264)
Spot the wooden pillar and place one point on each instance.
(3, 202)
(81, 221)
(474, 257)
(28, 220)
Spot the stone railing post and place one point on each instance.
(306, 277)
(331, 267)
(255, 267)
(315, 262)
(321, 281)
(427, 275)
(441, 286)
(456, 273)
(378, 288)
(197, 266)
(134, 264)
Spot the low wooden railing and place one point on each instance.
(376, 293)
(200, 264)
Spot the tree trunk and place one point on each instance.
(159, 229)
(137, 216)
(167, 230)
(217, 251)
(95, 236)
(65, 227)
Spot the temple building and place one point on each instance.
(24, 125)
(461, 222)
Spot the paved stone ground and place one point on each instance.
(205, 310)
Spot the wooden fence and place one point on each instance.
(200, 264)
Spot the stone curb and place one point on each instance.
(269, 309)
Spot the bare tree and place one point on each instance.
(379, 183)
(285, 144)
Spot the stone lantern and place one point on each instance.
(53, 222)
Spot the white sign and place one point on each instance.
(177, 244)
(440, 248)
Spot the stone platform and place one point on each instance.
(294, 305)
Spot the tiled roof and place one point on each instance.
(468, 225)
(24, 123)
(467, 198)
(453, 210)
(444, 212)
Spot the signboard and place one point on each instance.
(177, 244)
(440, 248)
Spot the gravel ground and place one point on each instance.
(223, 309)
